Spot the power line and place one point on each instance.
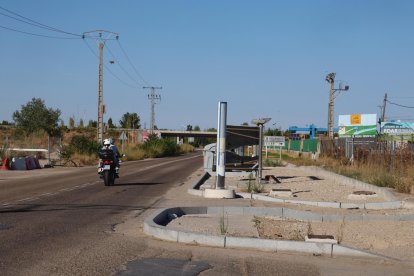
(92, 35)
(154, 98)
(402, 98)
(120, 65)
(109, 70)
(36, 23)
(132, 65)
(98, 35)
(33, 34)
(400, 105)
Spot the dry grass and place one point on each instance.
(133, 152)
(186, 148)
(378, 173)
(80, 160)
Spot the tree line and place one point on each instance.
(36, 116)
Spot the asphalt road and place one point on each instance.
(64, 221)
(60, 214)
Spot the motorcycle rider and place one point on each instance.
(109, 144)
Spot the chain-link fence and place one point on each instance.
(43, 147)
(390, 154)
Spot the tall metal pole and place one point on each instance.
(383, 108)
(259, 179)
(331, 107)
(152, 124)
(221, 144)
(100, 95)
(153, 99)
(331, 79)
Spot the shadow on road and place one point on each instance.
(139, 184)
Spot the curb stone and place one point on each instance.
(155, 225)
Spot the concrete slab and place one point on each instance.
(321, 240)
(338, 250)
(384, 205)
(254, 243)
(299, 246)
(160, 232)
(301, 215)
(199, 238)
(408, 203)
(245, 195)
(195, 192)
(345, 205)
(217, 193)
(263, 211)
(329, 204)
(226, 210)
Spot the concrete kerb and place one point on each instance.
(391, 204)
(195, 189)
(155, 225)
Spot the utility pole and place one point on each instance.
(100, 95)
(383, 108)
(260, 123)
(100, 36)
(330, 78)
(154, 98)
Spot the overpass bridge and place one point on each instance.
(185, 133)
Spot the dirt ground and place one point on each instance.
(390, 238)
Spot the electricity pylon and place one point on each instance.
(154, 98)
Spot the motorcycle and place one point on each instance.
(107, 166)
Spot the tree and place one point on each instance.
(81, 124)
(71, 122)
(36, 116)
(189, 127)
(273, 132)
(130, 120)
(110, 123)
(92, 124)
(196, 128)
(245, 124)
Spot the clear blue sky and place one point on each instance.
(265, 58)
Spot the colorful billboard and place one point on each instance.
(357, 125)
(399, 129)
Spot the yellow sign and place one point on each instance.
(355, 119)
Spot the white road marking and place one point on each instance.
(27, 199)
(84, 185)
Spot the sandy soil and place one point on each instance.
(390, 238)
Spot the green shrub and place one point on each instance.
(83, 145)
(156, 147)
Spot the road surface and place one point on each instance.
(64, 221)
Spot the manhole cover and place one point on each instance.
(363, 193)
(173, 267)
(314, 236)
